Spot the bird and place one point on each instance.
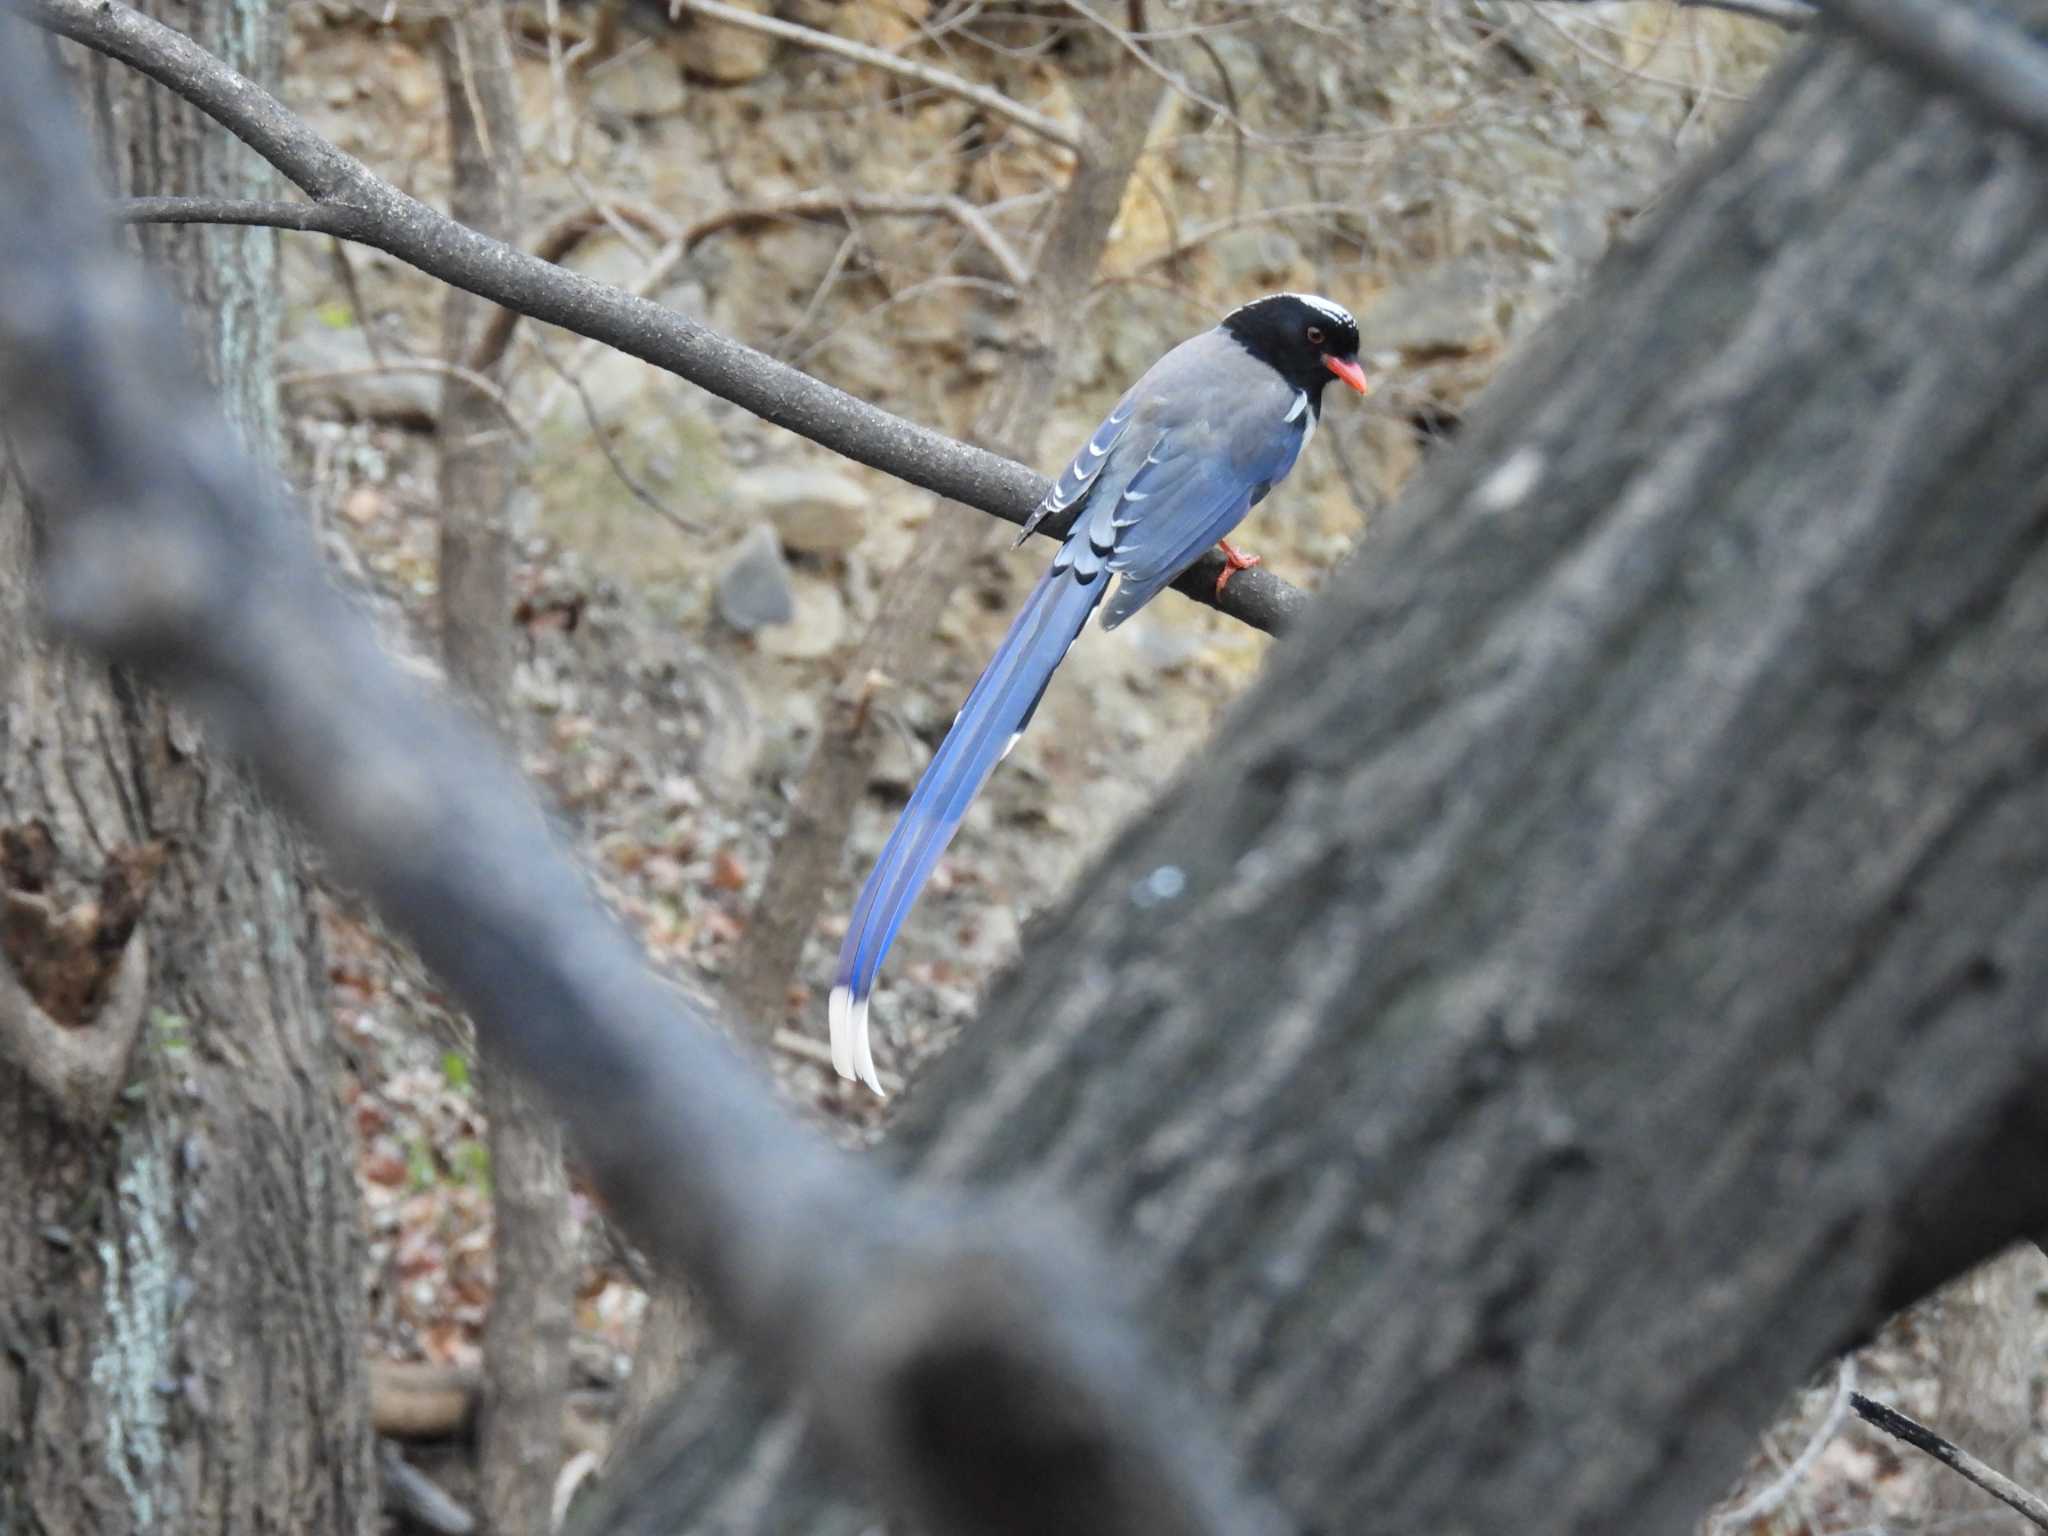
(1191, 447)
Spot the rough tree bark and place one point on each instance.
(180, 1244)
(1599, 971)
(526, 1337)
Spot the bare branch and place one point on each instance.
(598, 435)
(828, 205)
(1766, 1500)
(1894, 1423)
(1794, 15)
(372, 212)
(894, 63)
(417, 1497)
(1970, 50)
(482, 384)
(310, 218)
(957, 1351)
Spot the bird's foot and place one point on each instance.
(1234, 560)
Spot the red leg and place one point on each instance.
(1234, 560)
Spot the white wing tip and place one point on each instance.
(852, 1056)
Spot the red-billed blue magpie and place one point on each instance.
(1193, 446)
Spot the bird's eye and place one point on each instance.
(1315, 335)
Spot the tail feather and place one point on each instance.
(982, 734)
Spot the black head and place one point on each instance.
(1307, 340)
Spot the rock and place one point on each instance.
(727, 55)
(337, 376)
(815, 628)
(1256, 256)
(816, 511)
(641, 83)
(754, 588)
(889, 24)
(1449, 312)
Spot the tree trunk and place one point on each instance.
(1600, 970)
(526, 1338)
(180, 1246)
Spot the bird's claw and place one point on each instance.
(1234, 560)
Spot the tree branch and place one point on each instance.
(894, 63)
(1970, 50)
(1795, 15)
(566, 234)
(957, 1351)
(372, 212)
(310, 218)
(1920, 1437)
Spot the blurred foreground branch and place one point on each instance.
(1970, 49)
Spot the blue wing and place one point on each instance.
(1085, 473)
(1184, 497)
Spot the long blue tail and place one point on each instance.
(985, 729)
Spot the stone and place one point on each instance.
(328, 371)
(1449, 312)
(1257, 256)
(816, 627)
(722, 54)
(754, 588)
(815, 511)
(643, 82)
(887, 24)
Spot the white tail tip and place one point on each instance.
(852, 1056)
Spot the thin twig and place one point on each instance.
(1202, 235)
(1894, 1423)
(1794, 15)
(816, 205)
(1125, 39)
(1767, 1498)
(1027, 118)
(486, 387)
(308, 218)
(603, 439)
(558, 84)
(345, 274)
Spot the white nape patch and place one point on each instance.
(1300, 405)
(1509, 485)
(852, 1056)
(1330, 307)
(1337, 312)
